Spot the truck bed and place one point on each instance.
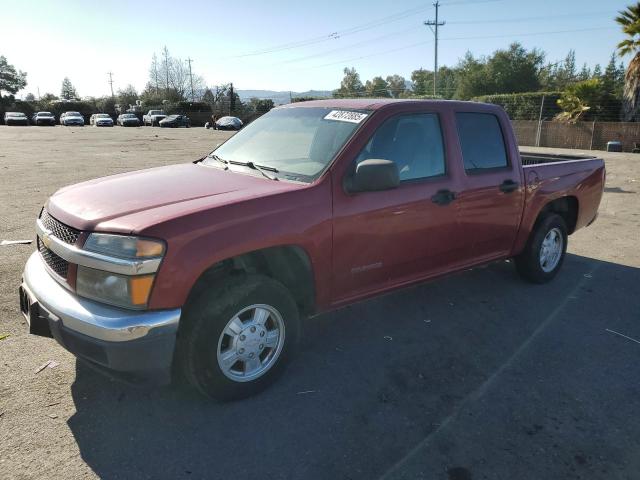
(542, 158)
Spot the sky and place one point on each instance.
(284, 44)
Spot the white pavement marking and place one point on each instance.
(622, 335)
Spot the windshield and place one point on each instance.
(15, 114)
(156, 112)
(300, 142)
(45, 114)
(102, 115)
(72, 114)
(128, 115)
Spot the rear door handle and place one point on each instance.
(509, 186)
(443, 197)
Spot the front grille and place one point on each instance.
(56, 263)
(60, 230)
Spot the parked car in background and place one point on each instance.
(153, 117)
(213, 266)
(228, 123)
(71, 118)
(101, 120)
(15, 118)
(44, 118)
(175, 121)
(128, 120)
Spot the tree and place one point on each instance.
(422, 82)
(261, 105)
(171, 78)
(581, 98)
(47, 98)
(397, 85)
(351, 86)
(597, 71)
(517, 70)
(29, 97)
(377, 87)
(472, 80)
(127, 96)
(585, 73)
(11, 80)
(629, 20)
(613, 77)
(208, 97)
(68, 91)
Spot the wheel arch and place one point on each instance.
(288, 264)
(567, 207)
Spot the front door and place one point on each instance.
(387, 238)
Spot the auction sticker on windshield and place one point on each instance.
(346, 116)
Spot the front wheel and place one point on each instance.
(545, 250)
(238, 336)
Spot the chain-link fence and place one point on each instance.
(579, 135)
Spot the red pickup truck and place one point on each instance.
(211, 266)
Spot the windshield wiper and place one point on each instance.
(261, 168)
(219, 159)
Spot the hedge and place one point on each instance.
(525, 106)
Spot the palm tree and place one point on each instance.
(629, 19)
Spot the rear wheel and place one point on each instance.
(238, 336)
(545, 250)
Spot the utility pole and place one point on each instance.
(435, 24)
(193, 98)
(165, 53)
(111, 82)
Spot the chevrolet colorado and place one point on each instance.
(208, 268)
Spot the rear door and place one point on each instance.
(492, 197)
(383, 239)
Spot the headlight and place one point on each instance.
(129, 291)
(124, 246)
(120, 290)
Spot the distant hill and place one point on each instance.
(280, 98)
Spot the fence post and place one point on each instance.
(593, 130)
(539, 132)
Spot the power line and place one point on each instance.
(337, 34)
(347, 47)
(529, 19)
(406, 47)
(435, 24)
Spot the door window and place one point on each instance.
(481, 141)
(413, 142)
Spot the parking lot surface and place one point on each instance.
(474, 376)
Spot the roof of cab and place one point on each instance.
(366, 103)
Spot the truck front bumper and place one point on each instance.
(138, 345)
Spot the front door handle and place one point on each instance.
(509, 186)
(443, 197)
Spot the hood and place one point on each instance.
(130, 202)
(73, 117)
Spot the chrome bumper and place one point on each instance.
(93, 319)
(135, 346)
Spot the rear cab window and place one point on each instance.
(482, 142)
(413, 141)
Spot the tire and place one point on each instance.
(210, 332)
(533, 264)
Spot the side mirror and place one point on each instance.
(374, 175)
